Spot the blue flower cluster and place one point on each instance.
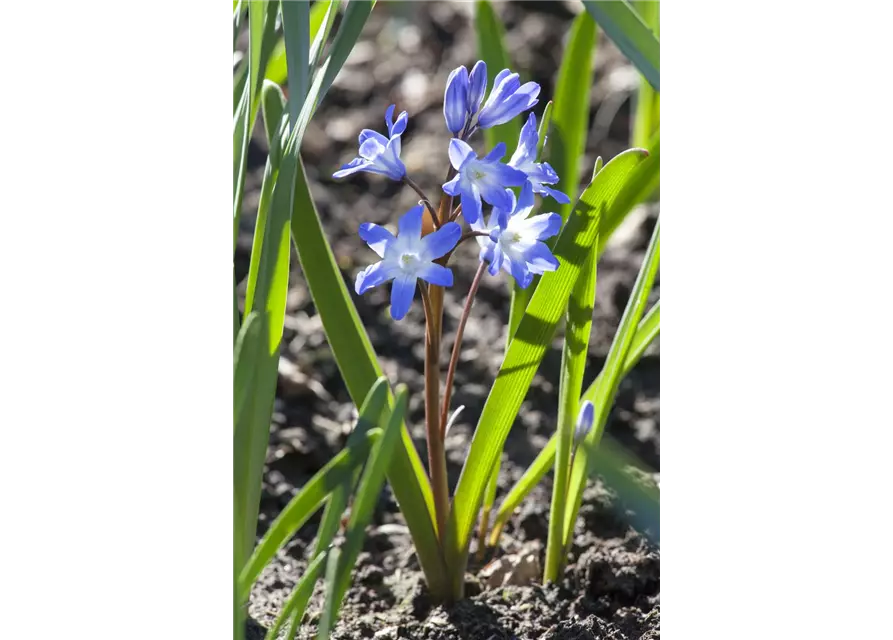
(511, 239)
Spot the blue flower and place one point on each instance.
(478, 178)
(377, 153)
(508, 99)
(407, 258)
(515, 242)
(455, 100)
(462, 96)
(524, 159)
(477, 87)
(584, 422)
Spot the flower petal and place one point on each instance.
(542, 226)
(487, 248)
(540, 259)
(496, 261)
(527, 143)
(496, 195)
(560, 197)
(507, 176)
(549, 175)
(455, 100)
(372, 147)
(441, 242)
(409, 227)
(372, 276)
(471, 201)
(496, 154)
(354, 166)
(451, 188)
(460, 153)
(507, 101)
(390, 160)
(402, 292)
(366, 134)
(525, 201)
(519, 271)
(584, 421)
(436, 274)
(399, 125)
(377, 237)
(477, 86)
(504, 85)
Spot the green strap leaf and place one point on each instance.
(336, 506)
(363, 506)
(641, 184)
(277, 67)
(631, 35)
(359, 367)
(491, 49)
(570, 117)
(244, 364)
(607, 388)
(297, 601)
(573, 364)
(296, 34)
(649, 329)
(300, 508)
(261, 32)
(525, 354)
(238, 609)
(520, 299)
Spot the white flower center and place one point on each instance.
(409, 261)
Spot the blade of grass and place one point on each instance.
(524, 355)
(268, 300)
(359, 367)
(237, 317)
(273, 104)
(649, 328)
(244, 364)
(491, 49)
(361, 512)
(640, 186)
(520, 297)
(336, 505)
(321, 25)
(277, 67)
(631, 35)
(238, 609)
(646, 118)
(519, 302)
(573, 364)
(300, 508)
(296, 33)
(568, 122)
(570, 118)
(240, 145)
(355, 16)
(261, 30)
(607, 388)
(297, 601)
(272, 279)
(241, 71)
